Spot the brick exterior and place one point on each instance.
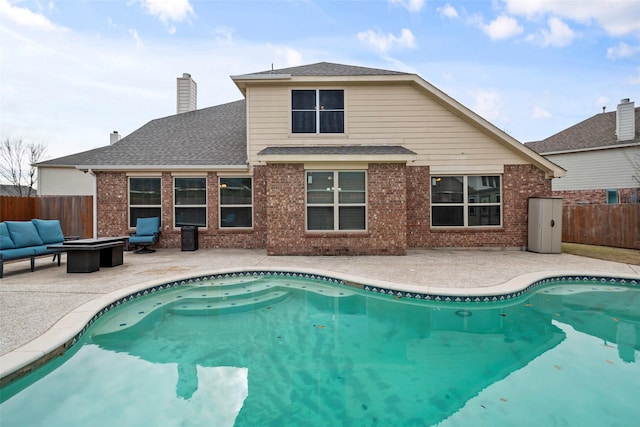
(597, 197)
(386, 211)
(520, 182)
(397, 213)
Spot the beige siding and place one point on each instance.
(393, 114)
(64, 182)
(601, 169)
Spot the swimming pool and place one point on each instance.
(292, 350)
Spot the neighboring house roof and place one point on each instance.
(15, 191)
(596, 132)
(214, 136)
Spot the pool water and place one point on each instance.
(289, 352)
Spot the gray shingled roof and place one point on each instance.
(330, 69)
(338, 149)
(595, 132)
(209, 136)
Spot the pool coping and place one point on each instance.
(66, 331)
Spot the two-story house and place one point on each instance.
(601, 155)
(323, 159)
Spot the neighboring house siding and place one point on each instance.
(599, 169)
(381, 114)
(520, 182)
(64, 182)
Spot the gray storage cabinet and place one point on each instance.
(545, 225)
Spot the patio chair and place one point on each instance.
(147, 231)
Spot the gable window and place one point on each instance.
(336, 201)
(236, 202)
(466, 201)
(190, 201)
(144, 199)
(317, 111)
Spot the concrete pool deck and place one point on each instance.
(37, 310)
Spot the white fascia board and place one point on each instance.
(582, 150)
(308, 158)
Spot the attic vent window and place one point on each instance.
(317, 111)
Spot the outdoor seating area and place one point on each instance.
(30, 239)
(147, 232)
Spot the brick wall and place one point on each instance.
(386, 212)
(519, 183)
(597, 197)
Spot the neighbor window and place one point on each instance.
(612, 196)
(336, 201)
(190, 201)
(236, 203)
(465, 201)
(317, 111)
(144, 199)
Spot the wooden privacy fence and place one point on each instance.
(74, 212)
(604, 225)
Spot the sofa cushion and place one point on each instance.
(7, 254)
(23, 233)
(5, 238)
(42, 250)
(49, 230)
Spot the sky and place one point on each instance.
(73, 71)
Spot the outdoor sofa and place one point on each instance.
(29, 239)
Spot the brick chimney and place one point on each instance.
(187, 94)
(625, 120)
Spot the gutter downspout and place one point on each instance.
(95, 203)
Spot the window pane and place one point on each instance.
(483, 189)
(303, 122)
(331, 100)
(446, 189)
(135, 213)
(447, 215)
(320, 218)
(352, 187)
(320, 187)
(235, 191)
(190, 191)
(303, 99)
(144, 191)
(236, 217)
(484, 215)
(191, 216)
(331, 121)
(352, 218)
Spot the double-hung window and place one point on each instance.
(317, 111)
(336, 201)
(190, 201)
(466, 201)
(145, 199)
(236, 202)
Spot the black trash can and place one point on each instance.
(189, 237)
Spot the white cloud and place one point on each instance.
(617, 17)
(502, 27)
(448, 11)
(134, 35)
(168, 10)
(622, 50)
(488, 103)
(412, 6)
(385, 42)
(557, 35)
(26, 18)
(539, 113)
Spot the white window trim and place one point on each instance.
(206, 202)
(317, 111)
(466, 205)
(220, 205)
(336, 203)
(141, 206)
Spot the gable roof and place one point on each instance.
(595, 132)
(326, 69)
(209, 137)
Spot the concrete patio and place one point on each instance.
(31, 303)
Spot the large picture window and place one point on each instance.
(336, 201)
(190, 201)
(317, 111)
(466, 201)
(236, 202)
(145, 199)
